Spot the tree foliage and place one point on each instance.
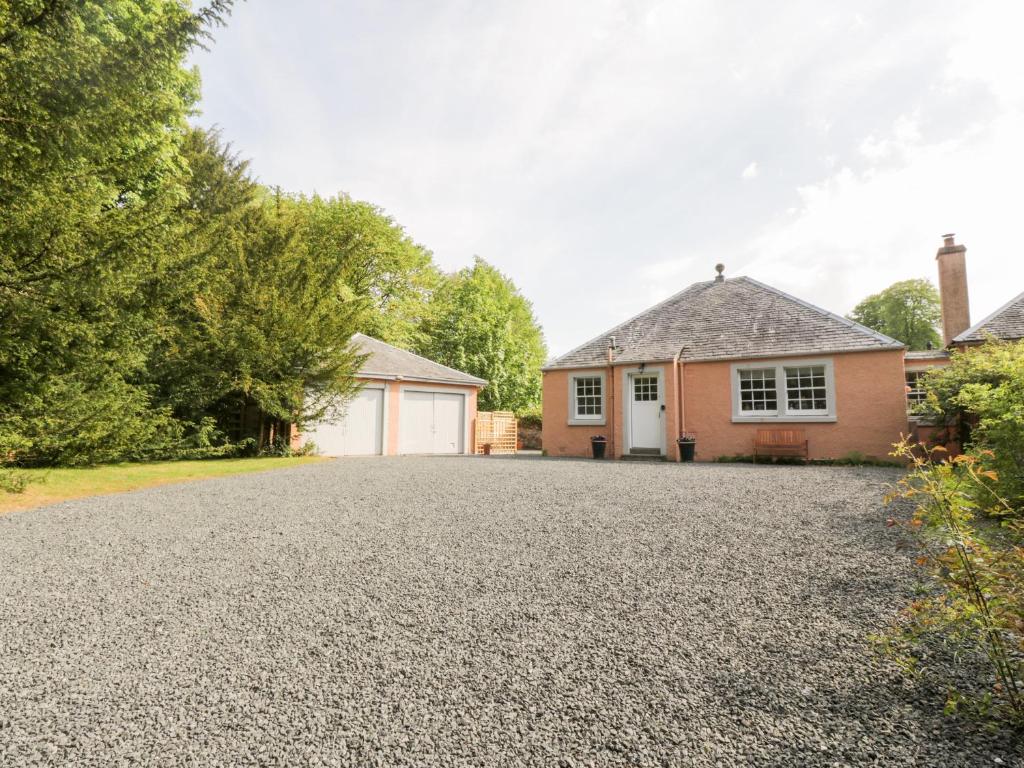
(480, 323)
(379, 263)
(908, 311)
(255, 317)
(93, 100)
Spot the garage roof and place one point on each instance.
(387, 362)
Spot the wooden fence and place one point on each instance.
(497, 429)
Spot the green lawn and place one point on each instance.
(48, 486)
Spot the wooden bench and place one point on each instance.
(780, 442)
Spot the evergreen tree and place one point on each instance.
(93, 100)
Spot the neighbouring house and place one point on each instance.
(407, 405)
(726, 358)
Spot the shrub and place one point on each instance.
(982, 391)
(971, 546)
(12, 481)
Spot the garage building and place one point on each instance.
(407, 405)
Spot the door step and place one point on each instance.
(643, 456)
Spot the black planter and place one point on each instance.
(686, 449)
(597, 446)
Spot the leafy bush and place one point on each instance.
(982, 392)
(975, 568)
(12, 481)
(530, 418)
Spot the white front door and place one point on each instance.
(356, 431)
(432, 422)
(645, 415)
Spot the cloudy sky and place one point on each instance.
(607, 154)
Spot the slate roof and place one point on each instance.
(1005, 323)
(732, 319)
(388, 362)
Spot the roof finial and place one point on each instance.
(719, 268)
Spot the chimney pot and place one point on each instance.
(947, 240)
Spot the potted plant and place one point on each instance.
(597, 445)
(687, 443)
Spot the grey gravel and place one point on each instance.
(463, 611)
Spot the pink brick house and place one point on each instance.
(722, 359)
(726, 358)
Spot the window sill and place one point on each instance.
(783, 419)
(586, 422)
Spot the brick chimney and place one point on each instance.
(956, 311)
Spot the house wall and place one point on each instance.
(559, 438)
(871, 411)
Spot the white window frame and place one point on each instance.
(783, 414)
(908, 390)
(738, 405)
(574, 418)
(922, 367)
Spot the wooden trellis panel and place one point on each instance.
(498, 429)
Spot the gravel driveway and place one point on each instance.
(464, 611)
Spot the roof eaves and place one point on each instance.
(469, 381)
(781, 355)
(603, 364)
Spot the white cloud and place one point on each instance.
(857, 231)
(590, 150)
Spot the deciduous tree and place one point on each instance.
(480, 323)
(908, 311)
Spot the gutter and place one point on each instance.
(611, 395)
(422, 379)
(784, 355)
(680, 419)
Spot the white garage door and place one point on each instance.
(432, 422)
(358, 432)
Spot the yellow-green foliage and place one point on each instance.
(975, 570)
